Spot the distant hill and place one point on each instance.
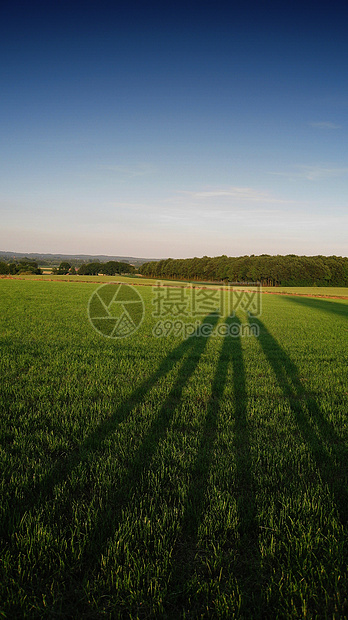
(56, 259)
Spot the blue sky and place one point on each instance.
(174, 129)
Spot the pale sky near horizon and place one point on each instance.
(181, 129)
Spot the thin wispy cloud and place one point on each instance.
(234, 193)
(312, 173)
(191, 206)
(317, 172)
(325, 125)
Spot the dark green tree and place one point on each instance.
(64, 268)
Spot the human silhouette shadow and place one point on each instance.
(75, 571)
(157, 430)
(186, 545)
(316, 430)
(39, 493)
(108, 520)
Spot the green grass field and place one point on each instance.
(169, 477)
(312, 291)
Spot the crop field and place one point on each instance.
(171, 476)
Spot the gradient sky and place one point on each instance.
(174, 129)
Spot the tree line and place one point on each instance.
(110, 268)
(24, 267)
(289, 270)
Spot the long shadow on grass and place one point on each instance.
(186, 554)
(323, 305)
(327, 448)
(38, 494)
(107, 521)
